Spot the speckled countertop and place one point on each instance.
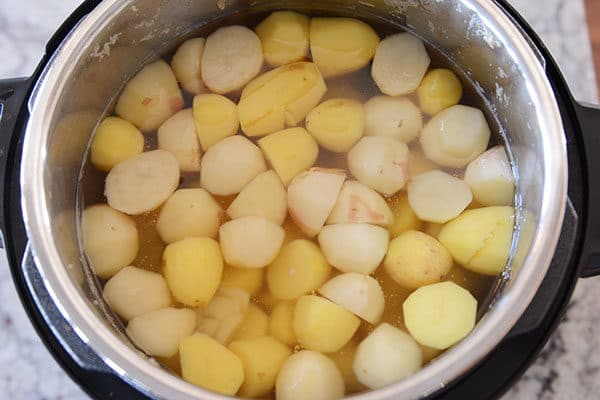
(568, 368)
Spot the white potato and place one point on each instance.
(491, 179)
(397, 117)
(436, 196)
(186, 65)
(143, 182)
(360, 204)
(228, 166)
(284, 37)
(232, 57)
(110, 239)
(455, 136)
(357, 293)
(221, 318)
(264, 197)
(337, 124)
(354, 247)
(380, 162)
(399, 65)
(216, 118)
(312, 196)
(177, 135)
(133, 292)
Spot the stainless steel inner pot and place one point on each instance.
(111, 43)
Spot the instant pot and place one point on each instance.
(47, 120)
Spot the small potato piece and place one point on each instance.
(311, 197)
(210, 365)
(354, 247)
(309, 375)
(397, 117)
(399, 65)
(321, 325)
(344, 359)
(186, 65)
(436, 196)
(159, 332)
(215, 117)
(262, 359)
(178, 136)
(284, 37)
(386, 356)
(232, 57)
(440, 315)
(143, 182)
(150, 97)
(341, 45)
(110, 239)
(115, 140)
(189, 213)
(254, 325)
(337, 124)
(456, 136)
(250, 242)
(223, 316)
(416, 259)
(299, 268)
(264, 197)
(133, 292)
(491, 179)
(380, 162)
(405, 218)
(250, 280)
(290, 152)
(357, 293)
(360, 204)
(228, 166)
(281, 325)
(438, 90)
(193, 269)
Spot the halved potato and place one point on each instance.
(177, 135)
(186, 65)
(397, 117)
(360, 204)
(337, 124)
(284, 37)
(222, 317)
(491, 179)
(438, 90)
(115, 140)
(215, 117)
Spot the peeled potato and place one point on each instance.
(344, 359)
(399, 65)
(386, 356)
(354, 247)
(222, 317)
(397, 117)
(440, 315)
(189, 213)
(177, 135)
(337, 124)
(232, 57)
(341, 45)
(215, 117)
(110, 239)
(299, 268)
(115, 140)
(456, 136)
(159, 332)
(405, 218)
(250, 242)
(290, 152)
(229, 165)
(360, 204)
(248, 279)
(143, 182)
(133, 292)
(436, 196)
(281, 325)
(193, 269)
(254, 325)
(438, 90)
(150, 97)
(380, 162)
(312, 196)
(264, 197)
(284, 37)
(186, 65)
(491, 179)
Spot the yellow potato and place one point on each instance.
(210, 365)
(337, 124)
(397, 117)
(343, 359)
(281, 325)
(341, 45)
(299, 269)
(177, 135)
(262, 359)
(215, 117)
(193, 269)
(440, 315)
(222, 317)
(284, 37)
(115, 140)
(279, 98)
(405, 218)
(249, 279)
(321, 325)
(186, 65)
(439, 89)
(254, 325)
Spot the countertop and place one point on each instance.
(568, 368)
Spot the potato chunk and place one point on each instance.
(215, 117)
(337, 124)
(284, 37)
(254, 325)
(150, 97)
(133, 292)
(264, 197)
(405, 218)
(341, 45)
(360, 204)
(281, 325)
(438, 90)
(248, 279)
(110, 239)
(232, 57)
(491, 179)
(186, 65)
(193, 269)
(397, 117)
(440, 315)
(223, 316)
(177, 135)
(115, 140)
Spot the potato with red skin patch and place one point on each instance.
(357, 203)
